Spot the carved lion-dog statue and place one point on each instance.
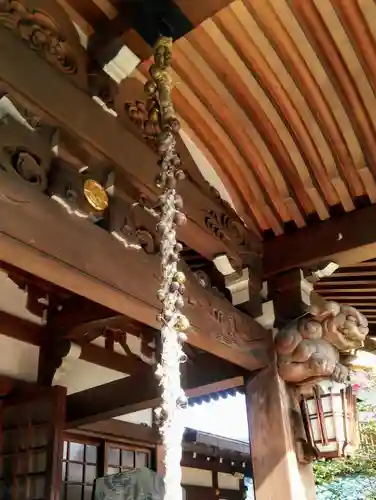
(310, 348)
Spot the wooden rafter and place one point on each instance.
(34, 334)
(347, 239)
(207, 374)
(137, 24)
(113, 428)
(284, 115)
(348, 287)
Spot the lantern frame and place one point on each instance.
(330, 419)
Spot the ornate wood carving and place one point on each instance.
(24, 153)
(47, 29)
(231, 231)
(27, 154)
(128, 224)
(309, 349)
(210, 211)
(67, 187)
(86, 260)
(134, 164)
(126, 221)
(228, 327)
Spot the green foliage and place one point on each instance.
(368, 428)
(362, 463)
(329, 471)
(355, 477)
(363, 406)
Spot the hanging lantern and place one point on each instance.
(331, 421)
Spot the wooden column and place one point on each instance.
(276, 471)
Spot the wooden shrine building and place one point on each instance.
(277, 104)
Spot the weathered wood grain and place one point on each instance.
(275, 468)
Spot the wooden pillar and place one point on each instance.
(276, 470)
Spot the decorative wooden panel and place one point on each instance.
(30, 446)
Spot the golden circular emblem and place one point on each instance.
(95, 195)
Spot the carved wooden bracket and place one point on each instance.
(56, 356)
(309, 349)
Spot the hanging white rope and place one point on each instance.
(161, 112)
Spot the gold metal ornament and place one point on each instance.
(182, 324)
(95, 195)
(180, 278)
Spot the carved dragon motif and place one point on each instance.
(309, 349)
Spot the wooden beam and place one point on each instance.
(226, 464)
(39, 236)
(32, 80)
(285, 290)
(210, 493)
(20, 329)
(346, 240)
(115, 429)
(208, 374)
(30, 333)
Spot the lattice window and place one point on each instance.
(30, 425)
(24, 456)
(119, 457)
(80, 461)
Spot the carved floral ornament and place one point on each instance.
(310, 349)
(229, 230)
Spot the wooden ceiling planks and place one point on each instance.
(354, 285)
(279, 95)
(257, 70)
(213, 142)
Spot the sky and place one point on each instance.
(228, 417)
(225, 417)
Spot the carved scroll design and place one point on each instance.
(41, 32)
(229, 230)
(24, 153)
(145, 115)
(28, 166)
(224, 225)
(133, 236)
